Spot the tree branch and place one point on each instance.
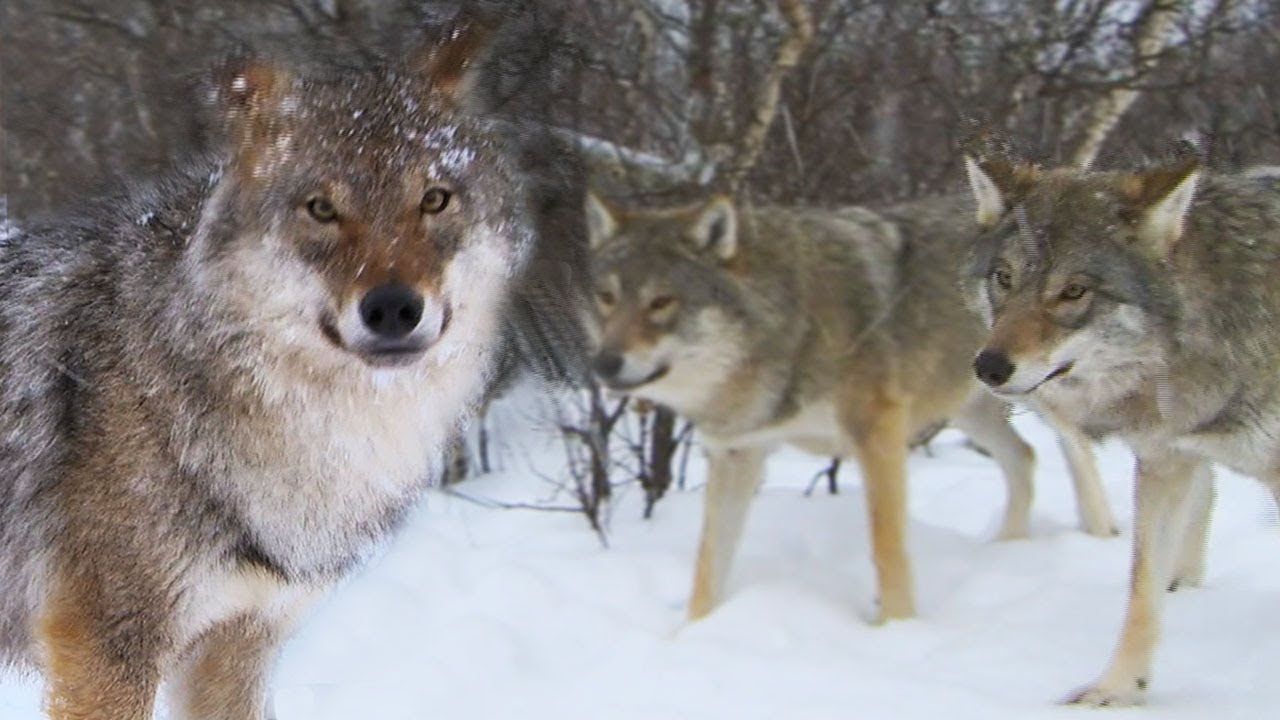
(1154, 29)
(766, 107)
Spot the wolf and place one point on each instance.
(221, 391)
(842, 332)
(1144, 304)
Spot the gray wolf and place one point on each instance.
(1144, 304)
(841, 332)
(220, 392)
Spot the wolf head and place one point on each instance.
(1068, 273)
(665, 324)
(364, 212)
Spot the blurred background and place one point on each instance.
(825, 102)
(814, 101)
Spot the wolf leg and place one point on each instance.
(1169, 489)
(97, 664)
(733, 478)
(1091, 499)
(879, 433)
(986, 421)
(225, 677)
(1195, 542)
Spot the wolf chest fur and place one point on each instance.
(222, 390)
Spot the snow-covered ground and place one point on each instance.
(482, 612)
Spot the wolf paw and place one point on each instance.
(1008, 534)
(1189, 577)
(899, 610)
(1013, 530)
(1101, 531)
(1108, 694)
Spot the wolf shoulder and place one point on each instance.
(1234, 224)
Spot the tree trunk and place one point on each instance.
(1155, 27)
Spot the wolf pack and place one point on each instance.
(221, 389)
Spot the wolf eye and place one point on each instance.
(661, 303)
(435, 200)
(321, 209)
(1073, 291)
(606, 298)
(1002, 278)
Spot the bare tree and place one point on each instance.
(829, 102)
(1152, 33)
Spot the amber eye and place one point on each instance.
(606, 298)
(1073, 291)
(659, 304)
(1002, 278)
(435, 200)
(321, 209)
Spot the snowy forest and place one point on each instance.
(548, 576)
(820, 102)
(826, 101)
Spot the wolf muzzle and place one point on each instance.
(993, 368)
(392, 315)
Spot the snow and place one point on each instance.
(7, 228)
(478, 611)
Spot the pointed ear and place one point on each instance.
(601, 222)
(715, 228)
(247, 91)
(1162, 199)
(249, 102)
(997, 185)
(986, 192)
(448, 65)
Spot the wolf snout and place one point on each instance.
(392, 311)
(993, 367)
(607, 365)
(397, 324)
(615, 371)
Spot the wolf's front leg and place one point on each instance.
(733, 478)
(100, 660)
(1170, 493)
(985, 419)
(1189, 570)
(879, 433)
(1091, 499)
(226, 671)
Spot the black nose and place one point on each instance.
(607, 364)
(993, 367)
(391, 311)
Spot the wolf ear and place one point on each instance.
(997, 184)
(986, 191)
(246, 89)
(715, 228)
(1163, 198)
(448, 65)
(601, 223)
(248, 99)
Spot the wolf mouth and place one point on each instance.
(391, 357)
(380, 355)
(651, 377)
(1061, 370)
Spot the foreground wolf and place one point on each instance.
(218, 394)
(843, 333)
(1145, 304)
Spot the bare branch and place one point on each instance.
(1154, 29)
(641, 170)
(793, 46)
